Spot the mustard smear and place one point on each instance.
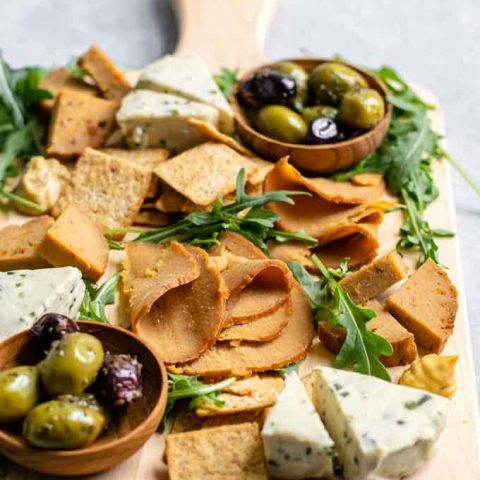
(433, 373)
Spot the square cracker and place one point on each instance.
(109, 188)
(204, 172)
(233, 452)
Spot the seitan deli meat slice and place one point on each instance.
(183, 321)
(236, 244)
(262, 394)
(291, 346)
(233, 452)
(19, 245)
(255, 287)
(384, 325)
(426, 304)
(374, 278)
(263, 329)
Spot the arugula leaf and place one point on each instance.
(114, 245)
(190, 387)
(226, 80)
(405, 159)
(257, 225)
(19, 129)
(75, 70)
(361, 348)
(97, 297)
(293, 367)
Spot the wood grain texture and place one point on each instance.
(130, 427)
(314, 159)
(458, 455)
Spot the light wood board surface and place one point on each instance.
(231, 33)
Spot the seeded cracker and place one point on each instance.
(109, 188)
(204, 172)
(232, 452)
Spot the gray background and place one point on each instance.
(435, 43)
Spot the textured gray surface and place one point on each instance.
(435, 43)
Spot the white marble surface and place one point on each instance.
(435, 43)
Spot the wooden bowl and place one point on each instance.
(325, 158)
(130, 426)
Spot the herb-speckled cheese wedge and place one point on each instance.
(152, 119)
(25, 295)
(381, 430)
(187, 76)
(295, 440)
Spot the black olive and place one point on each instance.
(51, 327)
(267, 87)
(323, 130)
(120, 378)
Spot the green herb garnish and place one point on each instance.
(190, 387)
(257, 225)
(405, 159)
(361, 348)
(114, 245)
(75, 70)
(226, 80)
(20, 133)
(412, 405)
(97, 297)
(293, 367)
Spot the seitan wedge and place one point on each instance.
(374, 278)
(426, 304)
(403, 342)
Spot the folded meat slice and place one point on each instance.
(182, 313)
(256, 287)
(330, 205)
(358, 242)
(263, 329)
(291, 346)
(151, 271)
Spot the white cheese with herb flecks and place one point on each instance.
(381, 430)
(26, 295)
(152, 119)
(296, 443)
(187, 76)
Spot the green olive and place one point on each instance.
(362, 108)
(282, 124)
(309, 114)
(300, 75)
(19, 392)
(69, 422)
(330, 81)
(72, 364)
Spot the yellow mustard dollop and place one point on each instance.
(433, 373)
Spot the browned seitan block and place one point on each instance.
(426, 305)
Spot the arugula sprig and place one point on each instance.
(226, 80)
(257, 225)
(190, 387)
(361, 348)
(97, 297)
(20, 132)
(405, 159)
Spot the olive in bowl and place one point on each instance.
(270, 134)
(122, 433)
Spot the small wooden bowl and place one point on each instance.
(325, 158)
(130, 426)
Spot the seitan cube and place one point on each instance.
(19, 245)
(233, 452)
(75, 240)
(110, 79)
(61, 79)
(79, 121)
(403, 342)
(109, 188)
(426, 305)
(374, 278)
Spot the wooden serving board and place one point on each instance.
(231, 33)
